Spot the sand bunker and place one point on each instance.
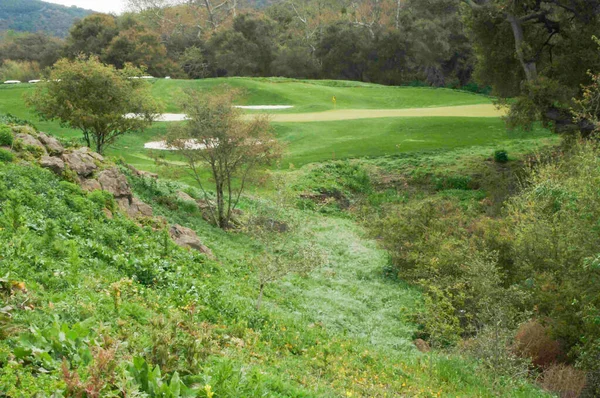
(162, 145)
(264, 107)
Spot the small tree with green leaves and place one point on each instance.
(87, 95)
(216, 137)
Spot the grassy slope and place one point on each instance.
(72, 259)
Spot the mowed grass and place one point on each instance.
(309, 142)
(317, 95)
(304, 95)
(314, 142)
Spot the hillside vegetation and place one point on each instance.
(38, 16)
(97, 302)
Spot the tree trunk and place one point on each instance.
(529, 65)
(222, 219)
(260, 296)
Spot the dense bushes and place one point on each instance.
(539, 259)
(6, 135)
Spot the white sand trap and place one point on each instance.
(264, 107)
(162, 145)
(165, 117)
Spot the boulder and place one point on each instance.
(29, 140)
(91, 185)
(141, 208)
(56, 165)
(184, 197)
(115, 182)
(52, 144)
(133, 207)
(186, 237)
(80, 162)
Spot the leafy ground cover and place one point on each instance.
(104, 304)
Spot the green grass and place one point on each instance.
(305, 96)
(318, 141)
(309, 340)
(314, 142)
(314, 96)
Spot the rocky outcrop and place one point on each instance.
(31, 141)
(115, 182)
(90, 185)
(186, 237)
(53, 146)
(56, 165)
(81, 161)
(88, 165)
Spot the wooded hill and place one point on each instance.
(38, 16)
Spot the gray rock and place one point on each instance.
(29, 140)
(80, 162)
(91, 185)
(186, 237)
(115, 182)
(53, 163)
(141, 208)
(133, 207)
(52, 144)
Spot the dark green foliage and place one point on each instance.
(38, 16)
(14, 120)
(500, 156)
(40, 48)
(333, 186)
(6, 156)
(6, 135)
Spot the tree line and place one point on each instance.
(387, 42)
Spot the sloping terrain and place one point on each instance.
(38, 16)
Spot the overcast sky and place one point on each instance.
(115, 6)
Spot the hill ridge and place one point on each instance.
(39, 16)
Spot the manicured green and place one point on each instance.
(317, 95)
(313, 142)
(317, 141)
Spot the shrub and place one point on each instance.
(6, 156)
(14, 121)
(564, 380)
(501, 156)
(533, 341)
(20, 70)
(6, 136)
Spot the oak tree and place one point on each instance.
(87, 95)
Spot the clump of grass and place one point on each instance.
(501, 156)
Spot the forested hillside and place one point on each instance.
(38, 16)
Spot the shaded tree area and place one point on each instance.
(539, 51)
(386, 41)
